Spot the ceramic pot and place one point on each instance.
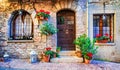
(46, 58)
(102, 41)
(87, 61)
(78, 53)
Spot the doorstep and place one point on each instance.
(67, 59)
(67, 53)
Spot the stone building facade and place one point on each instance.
(83, 24)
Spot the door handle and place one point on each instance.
(67, 32)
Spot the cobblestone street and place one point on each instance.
(18, 64)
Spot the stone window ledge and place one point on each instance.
(105, 44)
(19, 41)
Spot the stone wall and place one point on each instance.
(21, 49)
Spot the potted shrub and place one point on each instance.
(86, 46)
(48, 29)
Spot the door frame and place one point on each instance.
(74, 28)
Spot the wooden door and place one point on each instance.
(66, 26)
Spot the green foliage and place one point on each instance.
(48, 29)
(85, 45)
(58, 48)
(103, 38)
(51, 53)
(46, 16)
(41, 14)
(62, 20)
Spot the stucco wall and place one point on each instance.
(22, 49)
(109, 51)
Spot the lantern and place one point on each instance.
(33, 56)
(6, 57)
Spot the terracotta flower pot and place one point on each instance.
(46, 58)
(40, 17)
(102, 41)
(87, 61)
(78, 53)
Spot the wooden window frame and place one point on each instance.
(111, 25)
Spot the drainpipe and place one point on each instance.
(88, 19)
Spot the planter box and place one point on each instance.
(102, 41)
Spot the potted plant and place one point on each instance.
(103, 38)
(42, 15)
(58, 49)
(48, 54)
(78, 53)
(48, 29)
(86, 46)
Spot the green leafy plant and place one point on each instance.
(103, 37)
(87, 46)
(58, 49)
(48, 29)
(62, 20)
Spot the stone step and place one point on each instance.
(67, 59)
(67, 53)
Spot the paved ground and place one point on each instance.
(18, 64)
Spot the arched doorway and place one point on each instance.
(66, 26)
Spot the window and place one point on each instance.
(103, 26)
(20, 26)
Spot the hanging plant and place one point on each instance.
(48, 29)
(42, 15)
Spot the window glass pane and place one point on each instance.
(21, 27)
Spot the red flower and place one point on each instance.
(47, 12)
(98, 35)
(106, 34)
(41, 11)
(110, 37)
(48, 48)
(89, 54)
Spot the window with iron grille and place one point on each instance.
(20, 26)
(103, 27)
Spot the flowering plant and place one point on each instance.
(43, 13)
(88, 55)
(103, 37)
(86, 46)
(49, 52)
